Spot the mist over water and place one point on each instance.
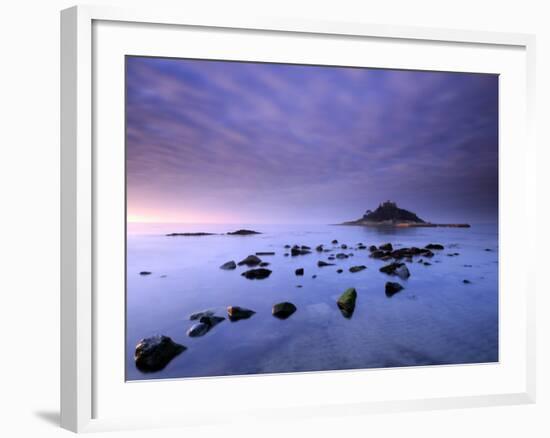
(437, 319)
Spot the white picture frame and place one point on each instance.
(81, 370)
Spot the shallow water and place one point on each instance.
(437, 319)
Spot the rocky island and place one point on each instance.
(389, 214)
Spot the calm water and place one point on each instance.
(436, 319)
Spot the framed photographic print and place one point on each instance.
(264, 208)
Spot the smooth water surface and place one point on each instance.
(437, 319)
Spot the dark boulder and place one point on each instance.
(257, 274)
(319, 248)
(154, 353)
(321, 263)
(341, 256)
(190, 234)
(354, 269)
(251, 260)
(229, 265)
(265, 253)
(373, 248)
(346, 302)
(386, 247)
(339, 271)
(145, 273)
(334, 242)
(283, 310)
(235, 313)
(199, 329)
(264, 264)
(344, 246)
(378, 254)
(466, 281)
(392, 288)
(434, 246)
(307, 248)
(295, 251)
(299, 271)
(399, 269)
(199, 315)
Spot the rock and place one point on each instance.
(307, 248)
(332, 257)
(335, 242)
(346, 302)
(420, 261)
(265, 253)
(466, 281)
(354, 269)
(321, 263)
(434, 246)
(243, 233)
(199, 329)
(154, 353)
(190, 234)
(361, 247)
(386, 247)
(427, 264)
(467, 266)
(428, 254)
(206, 322)
(392, 288)
(199, 315)
(339, 271)
(299, 271)
(251, 260)
(235, 313)
(341, 256)
(287, 246)
(229, 265)
(344, 246)
(145, 273)
(257, 274)
(488, 249)
(399, 269)
(283, 310)
(286, 254)
(295, 251)
(314, 276)
(350, 254)
(264, 264)
(378, 254)
(373, 248)
(299, 286)
(319, 248)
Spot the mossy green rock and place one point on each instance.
(346, 302)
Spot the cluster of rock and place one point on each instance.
(154, 353)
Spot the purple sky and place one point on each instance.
(232, 142)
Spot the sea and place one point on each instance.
(437, 319)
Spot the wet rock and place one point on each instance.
(199, 329)
(299, 286)
(378, 254)
(360, 247)
(235, 313)
(145, 273)
(354, 269)
(257, 274)
(199, 315)
(283, 310)
(386, 247)
(344, 246)
(488, 249)
(243, 232)
(319, 248)
(229, 265)
(335, 242)
(467, 266)
(332, 257)
(307, 248)
(286, 254)
(287, 246)
(264, 264)
(466, 281)
(428, 254)
(299, 271)
(154, 353)
(211, 320)
(251, 260)
(341, 256)
(346, 302)
(350, 254)
(434, 246)
(373, 248)
(265, 253)
(314, 276)
(295, 251)
(420, 261)
(339, 271)
(399, 269)
(427, 264)
(392, 288)
(321, 263)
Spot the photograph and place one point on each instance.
(290, 218)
